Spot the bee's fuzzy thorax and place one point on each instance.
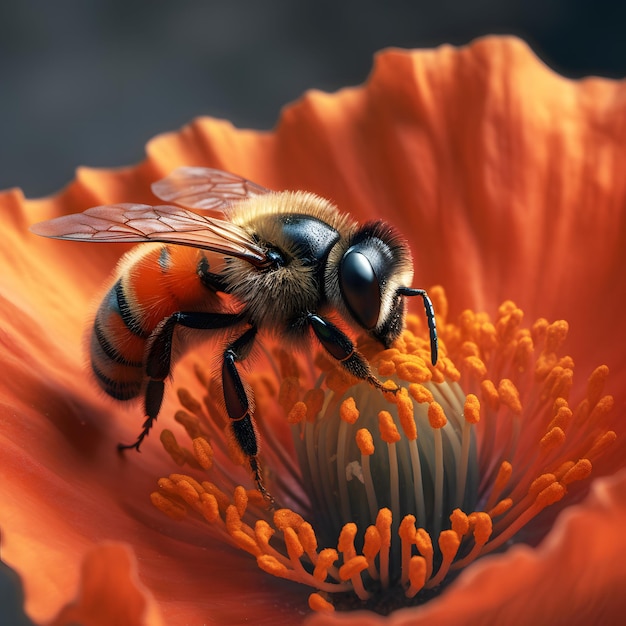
(251, 213)
(296, 282)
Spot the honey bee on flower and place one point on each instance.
(282, 263)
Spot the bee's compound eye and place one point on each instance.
(360, 288)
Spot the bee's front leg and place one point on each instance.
(341, 348)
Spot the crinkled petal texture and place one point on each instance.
(508, 181)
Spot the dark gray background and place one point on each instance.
(89, 82)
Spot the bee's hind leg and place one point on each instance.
(153, 400)
(159, 359)
(238, 406)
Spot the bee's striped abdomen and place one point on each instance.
(153, 283)
(117, 348)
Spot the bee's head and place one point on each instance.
(374, 274)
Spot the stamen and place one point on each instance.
(297, 413)
(449, 543)
(351, 570)
(365, 443)
(500, 482)
(407, 532)
(383, 525)
(371, 547)
(319, 604)
(417, 576)
(437, 419)
(471, 412)
(390, 435)
(203, 452)
(425, 548)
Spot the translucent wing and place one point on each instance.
(133, 223)
(205, 189)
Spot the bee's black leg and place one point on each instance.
(238, 406)
(341, 348)
(152, 402)
(159, 359)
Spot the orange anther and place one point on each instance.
(272, 566)
(364, 441)
(286, 518)
(551, 494)
(407, 529)
(504, 474)
(595, 385)
(240, 498)
(371, 543)
(203, 452)
(552, 439)
(436, 415)
(471, 410)
(417, 575)
(263, 532)
(509, 395)
(345, 543)
(297, 413)
(174, 510)
(581, 470)
(189, 401)
(405, 414)
(420, 394)
(459, 522)
(348, 411)
(314, 400)
(386, 368)
(556, 334)
(475, 366)
(489, 394)
(501, 507)
(449, 543)
(294, 548)
(383, 524)
(562, 418)
(320, 605)
(413, 370)
(388, 430)
(352, 567)
(483, 527)
(168, 441)
(540, 483)
(325, 560)
(289, 392)
(423, 542)
(209, 507)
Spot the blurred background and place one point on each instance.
(89, 82)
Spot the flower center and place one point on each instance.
(386, 494)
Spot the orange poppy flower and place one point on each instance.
(507, 180)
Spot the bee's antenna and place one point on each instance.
(430, 316)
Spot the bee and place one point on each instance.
(283, 263)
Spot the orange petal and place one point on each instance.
(110, 592)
